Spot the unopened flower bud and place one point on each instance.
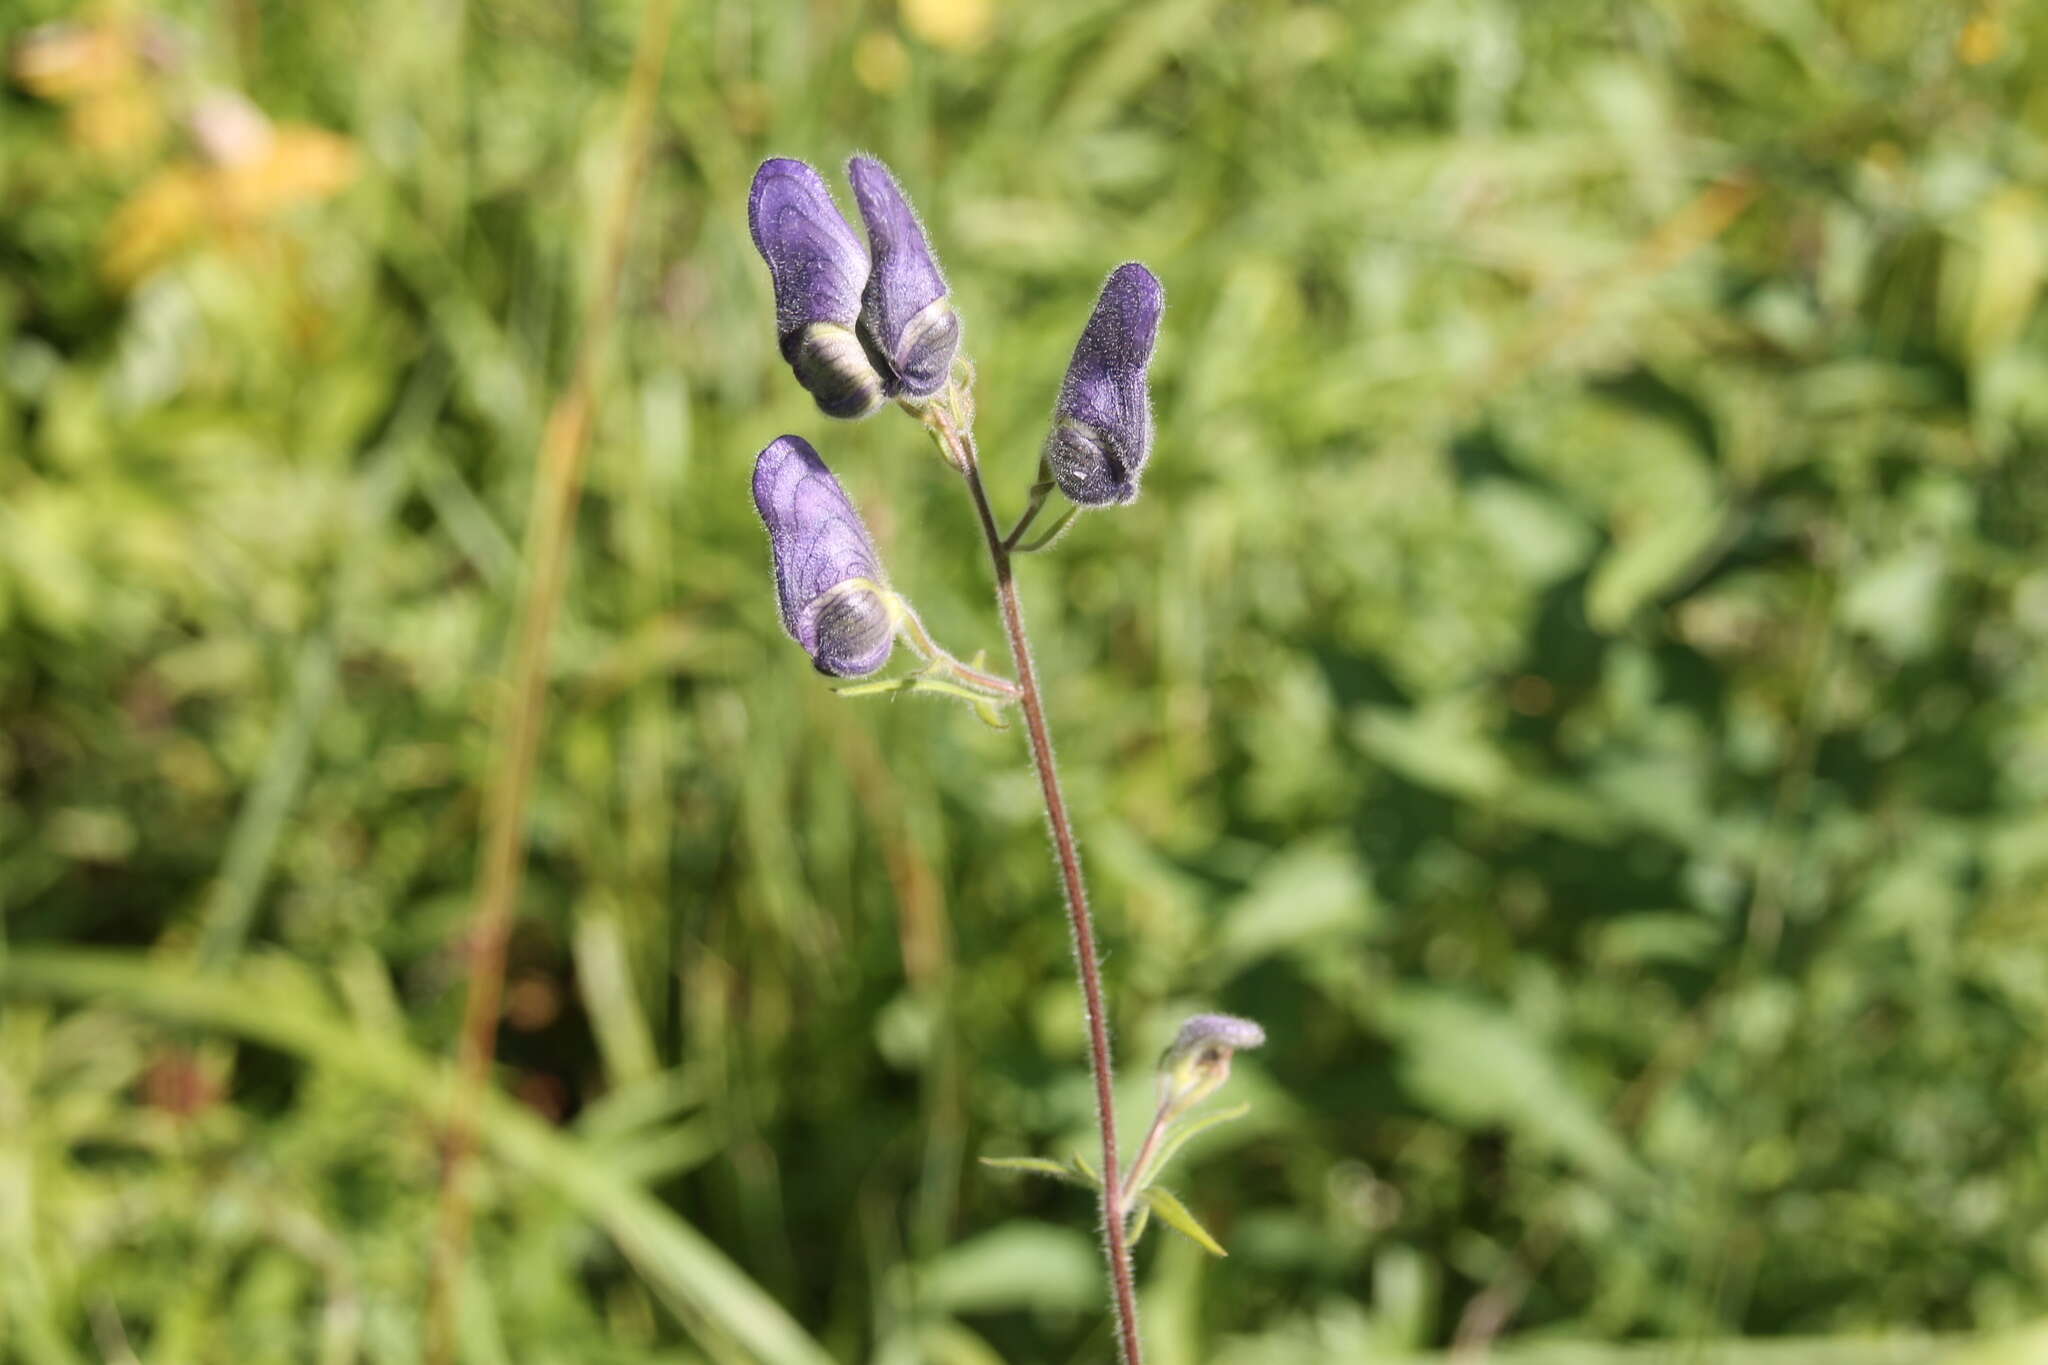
(1198, 1060)
(818, 267)
(907, 322)
(1102, 426)
(828, 576)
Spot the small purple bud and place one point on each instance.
(817, 267)
(1216, 1030)
(906, 321)
(1198, 1059)
(828, 576)
(1102, 427)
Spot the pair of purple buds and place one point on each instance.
(861, 325)
(857, 331)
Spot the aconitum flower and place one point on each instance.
(1198, 1059)
(818, 268)
(906, 321)
(828, 576)
(1102, 426)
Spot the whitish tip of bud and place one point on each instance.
(848, 629)
(833, 366)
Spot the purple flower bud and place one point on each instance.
(1198, 1059)
(1225, 1031)
(817, 267)
(1102, 427)
(906, 321)
(828, 576)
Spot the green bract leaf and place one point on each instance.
(1181, 1221)
(918, 683)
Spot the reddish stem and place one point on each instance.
(961, 447)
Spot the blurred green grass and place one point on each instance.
(1576, 676)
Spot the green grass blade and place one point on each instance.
(674, 1258)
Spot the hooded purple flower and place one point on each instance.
(828, 576)
(818, 268)
(906, 321)
(1102, 426)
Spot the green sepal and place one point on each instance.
(917, 682)
(1181, 1221)
(1178, 1137)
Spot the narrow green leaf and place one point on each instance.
(916, 683)
(1181, 1221)
(1035, 1165)
(604, 980)
(1139, 1222)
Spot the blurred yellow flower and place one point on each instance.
(880, 63)
(252, 170)
(119, 125)
(67, 61)
(1982, 39)
(99, 70)
(247, 172)
(956, 25)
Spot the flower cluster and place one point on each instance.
(859, 324)
(863, 323)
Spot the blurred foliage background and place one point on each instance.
(1576, 676)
